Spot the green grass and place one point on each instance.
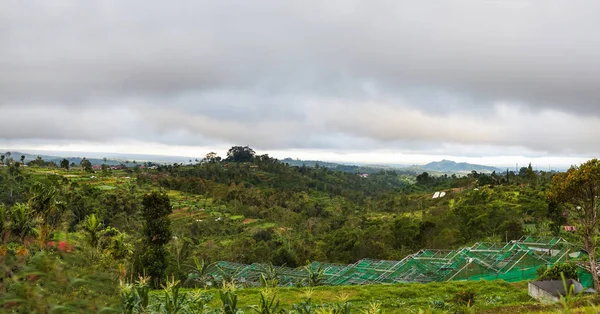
(491, 296)
(105, 187)
(265, 225)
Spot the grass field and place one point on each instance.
(490, 297)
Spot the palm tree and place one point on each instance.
(92, 226)
(47, 207)
(22, 222)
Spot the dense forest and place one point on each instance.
(116, 223)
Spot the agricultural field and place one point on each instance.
(487, 297)
(109, 228)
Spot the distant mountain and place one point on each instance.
(444, 166)
(457, 167)
(309, 163)
(112, 159)
(347, 167)
(57, 159)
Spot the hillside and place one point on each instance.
(350, 168)
(457, 167)
(256, 211)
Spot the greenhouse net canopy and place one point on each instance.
(516, 260)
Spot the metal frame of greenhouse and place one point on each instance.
(513, 261)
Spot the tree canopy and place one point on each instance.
(577, 190)
(240, 154)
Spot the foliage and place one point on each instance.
(268, 277)
(157, 232)
(135, 298)
(465, 297)
(199, 275)
(401, 298)
(86, 165)
(240, 154)
(156, 210)
(315, 276)
(64, 163)
(173, 302)
(20, 222)
(255, 209)
(556, 272)
(229, 302)
(578, 190)
(154, 259)
(567, 301)
(48, 208)
(44, 282)
(92, 227)
(268, 303)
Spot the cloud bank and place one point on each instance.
(414, 77)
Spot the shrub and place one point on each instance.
(553, 273)
(464, 298)
(541, 270)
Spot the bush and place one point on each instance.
(553, 273)
(541, 270)
(464, 298)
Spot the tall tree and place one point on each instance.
(530, 174)
(86, 164)
(38, 162)
(157, 233)
(211, 157)
(578, 190)
(64, 164)
(240, 154)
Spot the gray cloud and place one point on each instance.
(304, 74)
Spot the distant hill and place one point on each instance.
(346, 167)
(57, 159)
(456, 167)
(310, 163)
(443, 166)
(112, 159)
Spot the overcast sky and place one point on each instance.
(495, 82)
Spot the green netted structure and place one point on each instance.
(513, 261)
